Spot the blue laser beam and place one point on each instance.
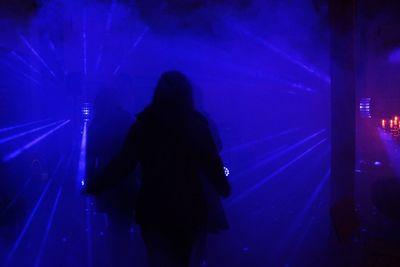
(134, 45)
(19, 193)
(81, 180)
(31, 216)
(15, 136)
(304, 66)
(254, 142)
(48, 227)
(19, 126)
(299, 242)
(107, 29)
(307, 67)
(116, 69)
(17, 152)
(84, 46)
(110, 15)
(25, 62)
(272, 175)
(99, 58)
(89, 238)
(139, 39)
(53, 210)
(277, 155)
(302, 214)
(25, 41)
(305, 232)
(269, 153)
(12, 68)
(82, 157)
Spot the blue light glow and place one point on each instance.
(260, 81)
(37, 55)
(25, 62)
(249, 144)
(365, 107)
(84, 46)
(14, 69)
(301, 216)
(86, 111)
(15, 136)
(82, 156)
(257, 185)
(290, 58)
(19, 151)
(30, 218)
(48, 227)
(19, 126)
(276, 155)
(134, 45)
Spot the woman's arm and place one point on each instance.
(120, 166)
(211, 162)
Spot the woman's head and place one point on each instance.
(173, 91)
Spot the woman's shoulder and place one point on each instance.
(200, 118)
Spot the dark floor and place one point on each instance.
(278, 213)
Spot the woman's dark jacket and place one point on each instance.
(175, 150)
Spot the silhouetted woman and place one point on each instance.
(175, 148)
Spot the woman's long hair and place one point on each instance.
(173, 92)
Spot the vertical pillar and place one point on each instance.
(343, 108)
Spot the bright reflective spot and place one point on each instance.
(226, 170)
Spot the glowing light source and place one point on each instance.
(86, 111)
(365, 107)
(392, 126)
(226, 170)
(82, 156)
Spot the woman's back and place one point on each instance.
(175, 148)
(172, 151)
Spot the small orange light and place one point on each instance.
(391, 123)
(396, 118)
(383, 123)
